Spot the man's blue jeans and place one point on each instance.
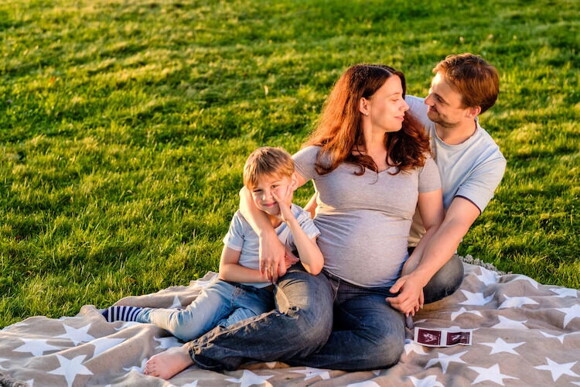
(367, 332)
(221, 303)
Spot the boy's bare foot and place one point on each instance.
(169, 363)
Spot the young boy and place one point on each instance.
(242, 291)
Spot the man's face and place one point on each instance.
(445, 104)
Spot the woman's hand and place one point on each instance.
(272, 257)
(410, 298)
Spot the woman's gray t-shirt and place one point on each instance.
(364, 221)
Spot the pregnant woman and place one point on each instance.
(371, 166)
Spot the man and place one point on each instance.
(471, 167)
(470, 163)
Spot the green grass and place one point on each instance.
(124, 126)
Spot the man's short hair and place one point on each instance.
(476, 80)
(267, 161)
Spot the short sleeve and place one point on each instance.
(234, 238)
(482, 182)
(306, 223)
(305, 160)
(429, 179)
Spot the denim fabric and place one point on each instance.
(445, 282)
(367, 333)
(220, 304)
(300, 325)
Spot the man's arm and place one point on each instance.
(410, 297)
(458, 219)
(439, 249)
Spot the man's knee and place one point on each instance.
(446, 281)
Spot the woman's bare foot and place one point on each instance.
(169, 363)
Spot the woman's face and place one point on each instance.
(387, 106)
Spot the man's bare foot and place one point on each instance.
(167, 364)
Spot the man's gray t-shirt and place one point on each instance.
(471, 170)
(364, 220)
(242, 238)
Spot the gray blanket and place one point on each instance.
(524, 333)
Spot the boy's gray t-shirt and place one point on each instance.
(241, 237)
(472, 169)
(364, 220)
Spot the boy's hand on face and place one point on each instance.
(284, 199)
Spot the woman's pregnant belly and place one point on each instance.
(363, 247)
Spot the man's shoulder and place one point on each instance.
(488, 145)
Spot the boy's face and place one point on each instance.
(262, 192)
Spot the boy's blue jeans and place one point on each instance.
(322, 322)
(220, 304)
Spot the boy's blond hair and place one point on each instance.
(267, 161)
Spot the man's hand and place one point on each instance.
(410, 298)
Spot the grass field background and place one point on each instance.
(124, 126)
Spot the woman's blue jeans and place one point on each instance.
(322, 322)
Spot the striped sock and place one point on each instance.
(121, 313)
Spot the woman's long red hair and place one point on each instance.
(339, 131)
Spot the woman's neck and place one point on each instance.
(374, 147)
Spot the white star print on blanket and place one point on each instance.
(524, 333)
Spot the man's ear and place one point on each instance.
(473, 112)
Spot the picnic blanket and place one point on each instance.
(524, 333)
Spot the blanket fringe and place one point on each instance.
(478, 262)
(8, 381)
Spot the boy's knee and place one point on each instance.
(183, 334)
(185, 328)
